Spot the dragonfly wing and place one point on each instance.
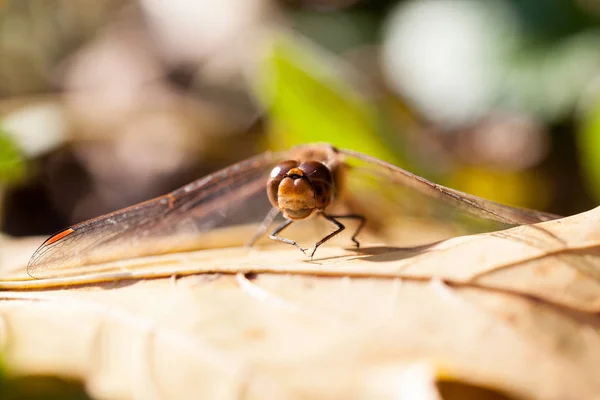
(178, 221)
(372, 186)
(186, 218)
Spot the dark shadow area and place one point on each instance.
(450, 390)
(382, 253)
(38, 387)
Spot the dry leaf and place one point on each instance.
(516, 312)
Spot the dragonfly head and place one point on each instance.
(300, 189)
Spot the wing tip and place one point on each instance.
(33, 264)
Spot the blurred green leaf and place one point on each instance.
(309, 101)
(547, 78)
(344, 30)
(12, 162)
(520, 189)
(589, 147)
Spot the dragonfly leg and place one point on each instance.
(361, 225)
(262, 229)
(340, 227)
(281, 227)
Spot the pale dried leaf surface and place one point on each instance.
(517, 311)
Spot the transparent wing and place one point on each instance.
(389, 195)
(419, 212)
(181, 220)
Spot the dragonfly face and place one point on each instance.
(299, 189)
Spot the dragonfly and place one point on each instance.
(312, 181)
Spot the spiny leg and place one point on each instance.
(262, 229)
(281, 227)
(361, 225)
(340, 227)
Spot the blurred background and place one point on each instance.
(106, 103)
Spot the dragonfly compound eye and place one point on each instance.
(321, 181)
(277, 175)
